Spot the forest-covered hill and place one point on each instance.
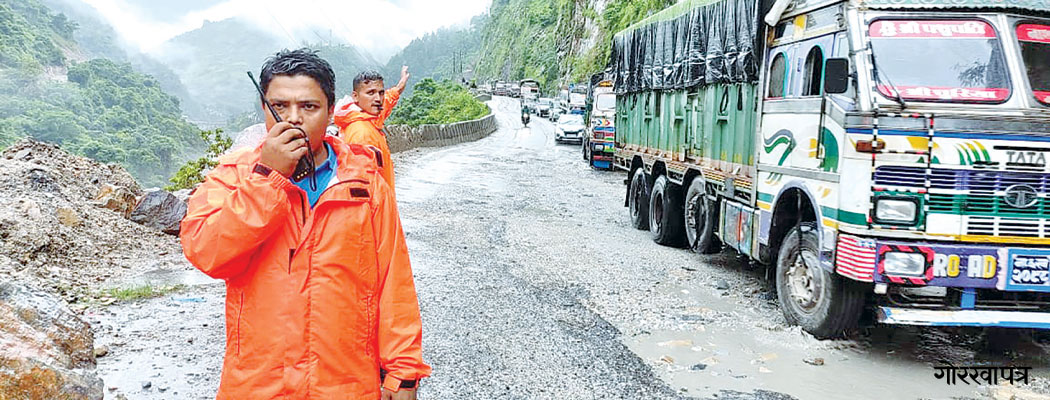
(100, 108)
(556, 42)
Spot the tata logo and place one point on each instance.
(1021, 196)
(1033, 158)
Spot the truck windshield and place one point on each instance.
(940, 60)
(1035, 50)
(605, 102)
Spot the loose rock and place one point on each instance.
(47, 351)
(160, 210)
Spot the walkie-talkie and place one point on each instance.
(305, 167)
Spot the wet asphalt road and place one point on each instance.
(533, 285)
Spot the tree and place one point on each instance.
(192, 174)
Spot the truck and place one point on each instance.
(598, 143)
(882, 156)
(577, 99)
(529, 92)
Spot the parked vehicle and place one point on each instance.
(889, 153)
(570, 128)
(514, 90)
(598, 145)
(502, 89)
(543, 107)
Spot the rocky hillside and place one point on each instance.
(65, 237)
(556, 42)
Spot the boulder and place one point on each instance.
(160, 210)
(116, 198)
(46, 351)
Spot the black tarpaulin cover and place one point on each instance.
(711, 42)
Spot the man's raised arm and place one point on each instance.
(393, 94)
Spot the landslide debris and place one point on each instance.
(63, 221)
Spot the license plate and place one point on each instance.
(599, 147)
(1028, 270)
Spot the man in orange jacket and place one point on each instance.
(362, 121)
(320, 301)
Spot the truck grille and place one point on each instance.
(979, 195)
(1000, 226)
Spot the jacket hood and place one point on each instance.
(350, 113)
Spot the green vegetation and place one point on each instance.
(447, 53)
(102, 109)
(30, 37)
(438, 103)
(141, 292)
(192, 173)
(521, 41)
(554, 41)
(617, 16)
(107, 112)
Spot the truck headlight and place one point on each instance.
(896, 210)
(897, 263)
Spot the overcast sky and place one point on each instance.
(379, 26)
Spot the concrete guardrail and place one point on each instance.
(404, 137)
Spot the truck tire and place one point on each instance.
(638, 200)
(822, 303)
(666, 223)
(584, 147)
(701, 218)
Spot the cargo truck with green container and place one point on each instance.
(882, 155)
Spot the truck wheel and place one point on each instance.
(701, 218)
(666, 223)
(583, 146)
(638, 200)
(822, 303)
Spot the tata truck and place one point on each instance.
(881, 155)
(598, 143)
(529, 93)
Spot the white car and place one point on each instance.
(569, 128)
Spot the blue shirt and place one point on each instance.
(324, 173)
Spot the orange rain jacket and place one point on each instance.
(367, 129)
(317, 301)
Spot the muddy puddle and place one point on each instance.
(726, 353)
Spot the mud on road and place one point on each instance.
(533, 285)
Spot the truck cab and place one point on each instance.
(887, 155)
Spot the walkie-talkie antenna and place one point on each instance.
(305, 167)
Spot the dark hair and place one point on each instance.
(367, 76)
(300, 62)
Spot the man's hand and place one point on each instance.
(403, 394)
(283, 147)
(404, 79)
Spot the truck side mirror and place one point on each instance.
(836, 75)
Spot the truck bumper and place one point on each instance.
(978, 318)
